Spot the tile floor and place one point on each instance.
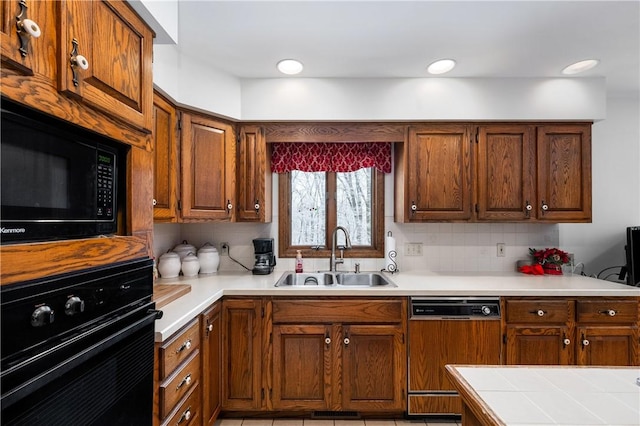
(314, 422)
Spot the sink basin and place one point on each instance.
(334, 279)
(367, 279)
(318, 279)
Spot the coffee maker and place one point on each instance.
(265, 259)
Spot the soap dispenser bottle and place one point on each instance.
(299, 262)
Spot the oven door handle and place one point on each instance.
(36, 382)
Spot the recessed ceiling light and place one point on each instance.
(441, 66)
(581, 66)
(289, 66)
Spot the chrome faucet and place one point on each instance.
(333, 261)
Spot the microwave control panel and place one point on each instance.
(106, 185)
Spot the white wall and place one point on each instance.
(615, 190)
(190, 82)
(162, 16)
(424, 99)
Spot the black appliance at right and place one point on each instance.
(265, 259)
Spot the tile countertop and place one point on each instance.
(520, 396)
(206, 289)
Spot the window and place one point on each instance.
(312, 204)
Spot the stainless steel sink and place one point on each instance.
(333, 280)
(366, 279)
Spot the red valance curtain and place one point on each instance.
(330, 157)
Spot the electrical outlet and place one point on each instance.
(413, 249)
(224, 249)
(501, 249)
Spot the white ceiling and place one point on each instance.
(398, 39)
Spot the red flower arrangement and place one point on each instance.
(551, 259)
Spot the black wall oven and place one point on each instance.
(77, 349)
(58, 181)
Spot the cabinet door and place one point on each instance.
(373, 367)
(564, 173)
(118, 47)
(301, 367)
(22, 52)
(211, 323)
(547, 345)
(506, 166)
(165, 150)
(438, 173)
(607, 345)
(254, 176)
(208, 153)
(241, 354)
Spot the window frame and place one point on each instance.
(286, 250)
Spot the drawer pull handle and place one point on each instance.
(185, 381)
(185, 416)
(538, 312)
(185, 345)
(609, 312)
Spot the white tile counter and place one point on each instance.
(498, 395)
(206, 289)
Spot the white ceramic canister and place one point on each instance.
(169, 265)
(184, 248)
(190, 265)
(209, 259)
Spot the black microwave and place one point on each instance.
(58, 181)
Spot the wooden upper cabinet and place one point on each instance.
(564, 173)
(506, 172)
(208, 155)
(437, 174)
(117, 46)
(166, 165)
(254, 176)
(25, 53)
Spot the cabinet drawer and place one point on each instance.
(607, 311)
(363, 311)
(188, 412)
(539, 311)
(178, 384)
(178, 348)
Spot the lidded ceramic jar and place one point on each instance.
(209, 259)
(169, 265)
(184, 248)
(190, 265)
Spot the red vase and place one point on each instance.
(551, 269)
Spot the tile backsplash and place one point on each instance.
(447, 247)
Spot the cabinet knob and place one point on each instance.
(327, 340)
(544, 207)
(566, 342)
(155, 202)
(26, 29)
(527, 208)
(610, 312)
(256, 206)
(413, 206)
(186, 381)
(538, 312)
(77, 61)
(346, 341)
(186, 345)
(210, 328)
(185, 416)
(585, 342)
(229, 206)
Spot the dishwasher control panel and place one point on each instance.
(455, 307)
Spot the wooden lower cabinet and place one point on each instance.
(211, 354)
(339, 358)
(242, 354)
(568, 331)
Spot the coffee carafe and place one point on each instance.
(265, 259)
